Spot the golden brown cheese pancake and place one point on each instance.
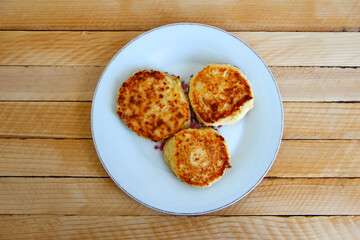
(220, 94)
(198, 157)
(153, 105)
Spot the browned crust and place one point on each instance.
(224, 95)
(151, 106)
(215, 156)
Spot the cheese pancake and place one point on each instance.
(220, 94)
(198, 157)
(153, 105)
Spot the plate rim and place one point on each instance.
(233, 201)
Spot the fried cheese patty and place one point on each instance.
(198, 157)
(153, 105)
(220, 94)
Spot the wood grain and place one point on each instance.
(232, 15)
(73, 83)
(49, 157)
(171, 227)
(52, 184)
(97, 48)
(305, 49)
(100, 196)
(64, 83)
(317, 158)
(45, 119)
(69, 157)
(303, 120)
(317, 83)
(61, 48)
(321, 120)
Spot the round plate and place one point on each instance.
(133, 163)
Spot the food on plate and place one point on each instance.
(153, 105)
(220, 94)
(198, 157)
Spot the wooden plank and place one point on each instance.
(317, 83)
(49, 157)
(100, 196)
(45, 119)
(79, 82)
(305, 49)
(321, 120)
(303, 120)
(262, 15)
(173, 227)
(49, 83)
(61, 48)
(317, 158)
(97, 48)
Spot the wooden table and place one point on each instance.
(52, 185)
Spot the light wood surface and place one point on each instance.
(100, 196)
(303, 120)
(302, 15)
(77, 83)
(50, 157)
(45, 119)
(318, 83)
(317, 158)
(52, 184)
(49, 83)
(97, 48)
(321, 120)
(171, 227)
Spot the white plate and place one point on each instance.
(133, 163)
